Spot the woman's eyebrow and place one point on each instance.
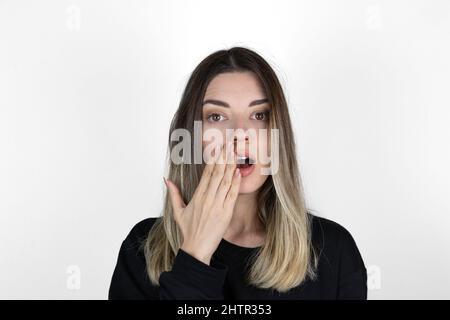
(226, 105)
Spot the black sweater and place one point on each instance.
(341, 271)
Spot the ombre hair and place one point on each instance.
(286, 259)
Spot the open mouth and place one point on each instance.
(244, 162)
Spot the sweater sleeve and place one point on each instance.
(191, 278)
(188, 279)
(352, 272)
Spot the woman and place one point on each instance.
(229, 230)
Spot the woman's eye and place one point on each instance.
(261, 116)
(215, 117)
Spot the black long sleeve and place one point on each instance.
(192, 279)
(188, 279)
(351, 270)
(341, 271)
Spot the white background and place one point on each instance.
(88, 89)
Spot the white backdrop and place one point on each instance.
(88, 89)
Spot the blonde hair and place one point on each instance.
(287, 258)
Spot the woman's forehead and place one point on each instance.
(235, 87)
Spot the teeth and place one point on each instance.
(243, 160)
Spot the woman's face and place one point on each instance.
(236, 101)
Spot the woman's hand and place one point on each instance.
(205, 219)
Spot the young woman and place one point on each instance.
(229, 230)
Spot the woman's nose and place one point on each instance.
(240, 122)
(241, 142)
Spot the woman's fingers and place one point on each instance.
(206, 176)
(175, 198)
(217, 175)
(233, 192)
(227, 179)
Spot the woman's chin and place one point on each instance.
(251, 184)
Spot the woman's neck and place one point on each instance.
(245, 220)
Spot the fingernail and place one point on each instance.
(236, 173)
